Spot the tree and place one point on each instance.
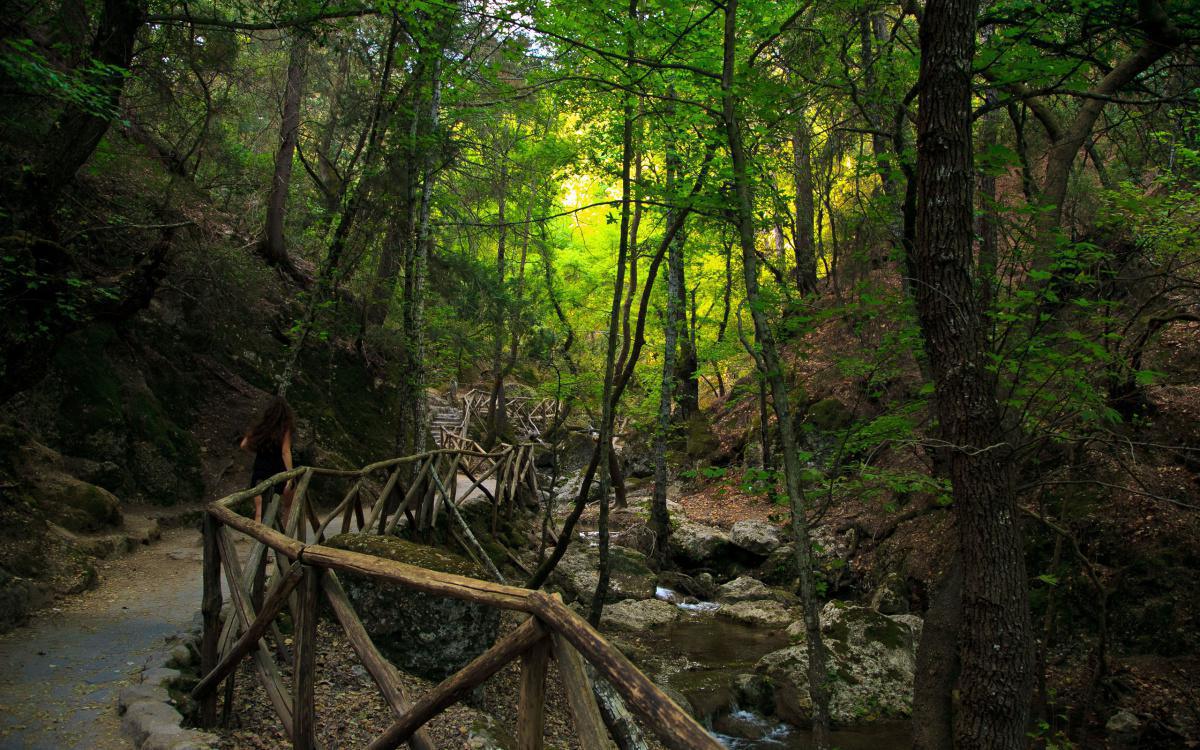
(274, 246)
(995, 643)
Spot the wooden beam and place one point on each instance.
(210, 608)
(433, 582)
(268, 536)
(456, 686)
(268, 673)
(673, 726)
(304, 671)
(380, 669)
(589, 725)
(531, 707)
(249, 640)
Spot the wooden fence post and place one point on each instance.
(210, 608)
(589, 725)
(304, 677)
(531, 709)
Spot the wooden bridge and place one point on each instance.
(305, 571)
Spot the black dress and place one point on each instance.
(268, 461)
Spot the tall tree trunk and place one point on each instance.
(498, 412)
(660, 518)
(78, 129)
(341, 233)
(802, 234)
(413, 430)
(274, 246)
(608, 408)
(770, 367)
(995, 637)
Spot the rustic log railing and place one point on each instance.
(306, 571)
(529, 414)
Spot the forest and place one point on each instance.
(829, 310)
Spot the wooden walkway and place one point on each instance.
(304, 572)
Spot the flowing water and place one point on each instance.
(699, 656)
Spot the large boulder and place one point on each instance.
(759, 613)
(695, 544)
(890, 597)
(780, 568)
(431, 636)
(636, 616)
(75, 504)
(747, 589)
(873, 659)
(629, 575)
(756, 537)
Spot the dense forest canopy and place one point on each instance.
(935, 257)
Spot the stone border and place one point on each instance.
(149, 716)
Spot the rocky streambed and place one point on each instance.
(730, 647)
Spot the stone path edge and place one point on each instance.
(149, 716)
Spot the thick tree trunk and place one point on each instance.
(937, 665)
(995, 641)
(274, 245)
(78, 130)
(770, 368)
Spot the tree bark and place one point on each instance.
(802, 235)
(78, 130)
(995, 642)
(274, 245)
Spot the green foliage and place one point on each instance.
(88, 87)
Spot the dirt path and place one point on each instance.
(60, 674)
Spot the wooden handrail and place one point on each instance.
(550, 621)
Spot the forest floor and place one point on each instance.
(62, 670)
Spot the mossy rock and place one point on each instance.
(75, 504)
(411, 553)
(428, 635)
(829, 414)
(701, 440)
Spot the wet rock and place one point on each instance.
(756, 537)
(637, 616)
(747, 589)
(629, 575)
(429, 635)
(698, 545)
(743, 724)
(872, 656)
(762, 613)
(701, 587)
(754, 692)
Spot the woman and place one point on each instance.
(271, 442)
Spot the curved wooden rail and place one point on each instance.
(551, 629)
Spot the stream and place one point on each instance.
(700, 656)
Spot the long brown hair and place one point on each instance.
(276, 421)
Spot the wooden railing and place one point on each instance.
(304, 572)
(530, 414)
